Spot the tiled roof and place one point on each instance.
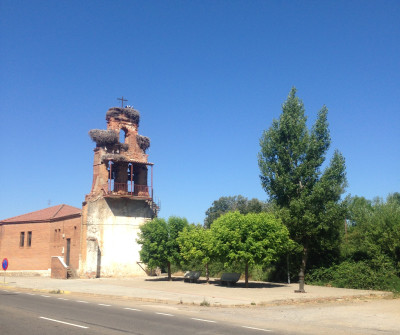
(46, 214)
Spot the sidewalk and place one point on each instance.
(158, 289)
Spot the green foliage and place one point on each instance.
(261, 273)
(249, 239)
(159, 242)
(196, 247)
(374, 234)
(152, 237)
(234, 203)
(290, 163)
(370, 251)
(357, 275)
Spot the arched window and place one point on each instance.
(122, 135)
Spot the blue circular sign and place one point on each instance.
(4, 264)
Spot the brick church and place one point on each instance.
(99, 239)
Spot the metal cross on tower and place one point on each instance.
(122, 101)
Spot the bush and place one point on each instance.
(263, 273)
(356, 275)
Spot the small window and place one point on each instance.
(122, 136)
(29, 239)
(21, 239)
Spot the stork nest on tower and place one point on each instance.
(113, 157)
(143, 142)
(104, 137)
(132, 114)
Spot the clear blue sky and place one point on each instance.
(207, 77)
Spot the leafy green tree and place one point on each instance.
(374, 234)
(394, 197)
(196, 246)
(254, 238)
(386, 229)
(290, 163)
(159, 242)
(359, 210)
(233, 203)
(370, 257)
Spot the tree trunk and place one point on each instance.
(207, 273)
(246, 275)
(304, 259)
(302, 270)
(169, 271)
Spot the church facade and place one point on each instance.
(107, 227)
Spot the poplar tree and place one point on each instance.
(290, 163)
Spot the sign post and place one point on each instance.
(4, 265)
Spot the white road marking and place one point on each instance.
(263, 330)
(62, 299)
(45, 296)
(83, 302)
(204, 320)
(133, 309)
(65, 323)
(30, 294)
(104, 305)
(166, 314)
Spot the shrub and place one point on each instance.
(357, 275)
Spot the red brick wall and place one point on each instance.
(60, 231)
(58, 270)
(47, 240)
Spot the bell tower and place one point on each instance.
(120, 200)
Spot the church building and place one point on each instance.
(31, 240)
(100, 239)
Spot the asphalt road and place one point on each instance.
(42, 314)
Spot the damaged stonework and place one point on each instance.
(121, 198)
